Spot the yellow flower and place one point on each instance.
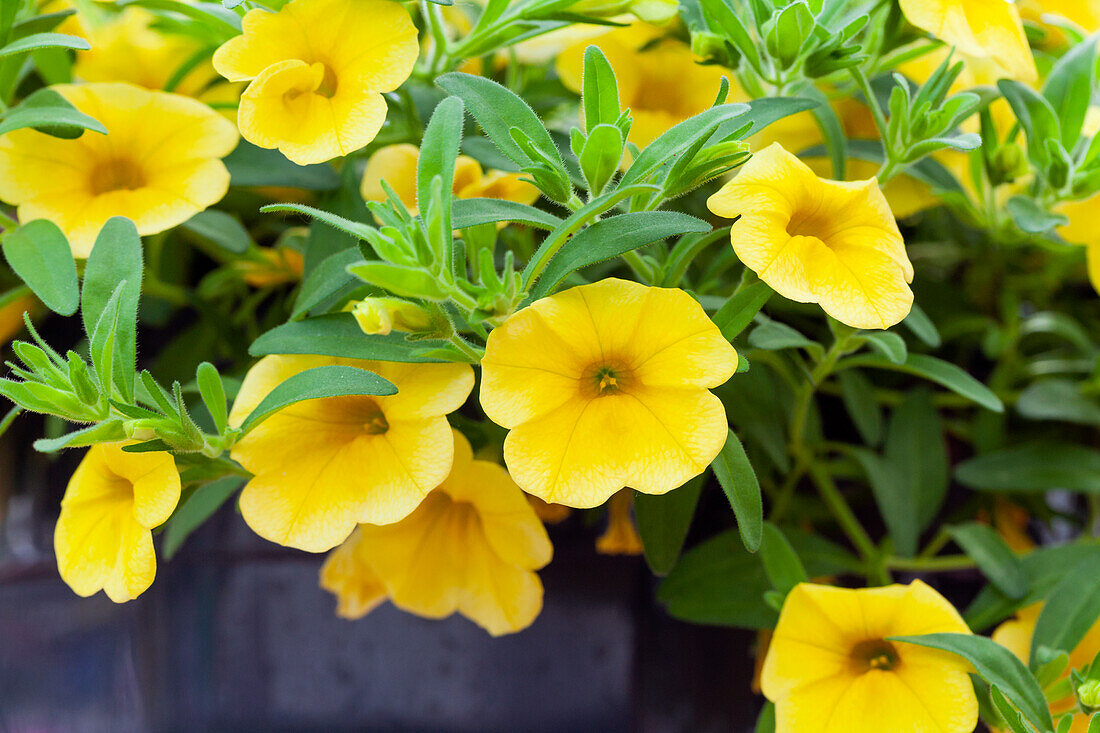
(103, 540)
(396, 165)
(662, 85)
(275, 266)
(384, 315)
(1083, 13)
(818, 241)
(322, 466)
(1015, 635)
(549, 513)
(1081, 229)
(472, 546)
(11, 316)
(604, 386)
(318, 69)
(158, 165)
(128, 48)
(830, 668)
(988, 35)
(621, 536)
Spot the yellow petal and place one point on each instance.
(347, 575)
(396, 165)
(621, 536)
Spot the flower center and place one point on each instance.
(874, 654)
(117, 174)
(328, 84)
(606, 378)
(810, 223)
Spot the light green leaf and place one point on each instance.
(49, 112)
(38, 41)
(332, 380)
(1070, 610)
(337, 334)
(39, 254)
(472, 212)
(116, 257)
(737, 312)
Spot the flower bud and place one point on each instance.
(380, 316)
(1088, 695)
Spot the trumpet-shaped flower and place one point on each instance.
(159, 163)
(472, 546)
(988, 34)
(818, 241)
(322, 466)
(396, 165)
(658, 79)
(830, 667)
(317, 70)
(103, 539)
(1015, 635)
(607, 385)
(621, 536)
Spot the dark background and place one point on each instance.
(235, 634)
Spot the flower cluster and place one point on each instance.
(805, 275)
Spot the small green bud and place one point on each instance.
(82, 383)
(1088, 696)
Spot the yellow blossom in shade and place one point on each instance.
(472, 546)
(103, 538)
(158, 165)
(830, 668)
(322, 466)
(1081, 229)
(1015, 635)
(396, 165)
(11, 316)
(818, 241)
(274, 266)
(988, 34)
(549, 513)
(659, 81)
(621, 536)
(607, 385)
(318, 69)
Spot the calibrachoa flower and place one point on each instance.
(818, 241)
(1015, 635)
(830, 668)
(660, 82)
(1081, 229)
(621, 536)
(607, 385)
(396, 165)
(322, 466)
(472, 546)
(158, 165)
(103, 540)
(318, 69)
(988, 34)
(380, 316)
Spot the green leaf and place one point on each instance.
(473, 212)
(888, 344)
(49, 112)
(761, 113)
(935, 370)
(353, 228)
(997, 666)
(1034, 467)
(438, 152)
(781, 563)
(104, 432)
(994, 558)
(336, 334)
(1058, 399)
(775, 336)
(116, 257)
(1068, 88)
(599, 159)
(39, 254)
(196, 509)
(498, 109)
(663, 522)
(678, 139)
(915, 444)
(253, 166)
(326, 280)
(738, 480)
(858, 395)
(765, 722)
(332, 380)
(611, 237)
(38, 41)
(601, 91)
(737, 312)
(221, 229)
(102, 338)
(1033, 218)
(1037, 118)
(407, 282)
(224, 23)
(922, 327)
(1070, 610)
(213, 394)
(894, 498)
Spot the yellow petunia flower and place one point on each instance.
(1015, 635)
(103, 539)
(1081, 229)
(621, 536)
(472, 546)
(660, 82)
(159, 163)
(1083, 13)
(396, 165)
(830, 668)
(322, 466)
(988, 35)
(607, 385)
(317, 71)
(275, 266)
(818, 241)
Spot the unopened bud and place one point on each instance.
(380, 316)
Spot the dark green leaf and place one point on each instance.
(888, 344)
(922, 327)
(738, 480)
(252, 166)
(336, 334)
(326, 279)
(781, 563)
(894, 499)
(196, 509)
(438, 151)
(1034, 467)
(213, 394)
(1070, 610)
(915, 444)
(332, 380)
(774, 336)
(1033, 218)
(1068, 88)
(221, 229)
(737, 312)
(859, 399)
(994, 558)
(938, 371)
(1058, 399)
(40, 255)
(663, 522)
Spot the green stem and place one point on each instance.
(944, 563)
(848, 522)
(467, 348)
(819, 374)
